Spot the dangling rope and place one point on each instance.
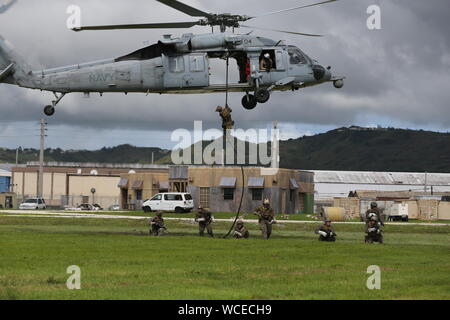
(225, 137)
(240, 205)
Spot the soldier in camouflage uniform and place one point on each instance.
(266, 218)
(157, 226)
(225, 114)
(326, 232)
(240, 231)
(205, 220)
(374, 211)
(374, 231)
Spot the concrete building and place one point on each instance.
(5, 180)
(416, 204)
(221, 188)
(71, 183)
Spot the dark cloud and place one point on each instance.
(399, 73)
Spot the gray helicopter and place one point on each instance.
(180, 65)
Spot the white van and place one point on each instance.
(33, 204)
(178, 202)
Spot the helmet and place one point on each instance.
(266, 201)
(267, 55)
(159, 213)
(374, 205)
(219, 109)
(240, 222)
(327, 220)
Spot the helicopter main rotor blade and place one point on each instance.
(184, 8)
(5, 7)
(169, 25)
(283, 31)
(295, 8)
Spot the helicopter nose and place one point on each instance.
(320, 73)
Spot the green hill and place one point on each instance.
(354, 148)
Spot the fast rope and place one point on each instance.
(240, 205)
(225, 137)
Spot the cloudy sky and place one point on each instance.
(398, 76)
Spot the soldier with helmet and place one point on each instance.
(326, 231)
(157, 226)
(374, 211)
(240, 231)
(225, 114)
(374, 233)
(266, 218)
(205, 220)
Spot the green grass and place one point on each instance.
(119, 261)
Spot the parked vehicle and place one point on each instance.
(178, 202)
(33, 204)
(114, 207)
(89, 207)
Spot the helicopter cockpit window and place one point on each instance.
(176, 64)
(296, 56)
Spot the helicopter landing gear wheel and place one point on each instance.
(49, 110)
(249, 102)
(262, 95)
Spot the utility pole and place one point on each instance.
(17, 155)
(426, 182)
(41, 160)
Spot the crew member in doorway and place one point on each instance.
(265, 62)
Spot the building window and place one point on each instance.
(257, 194)
(138, 195)
(228, 193)
(204, 197)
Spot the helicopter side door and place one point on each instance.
(186, 71)
(278, 70)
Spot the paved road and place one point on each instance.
(96, 215)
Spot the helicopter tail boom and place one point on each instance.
(12, 65)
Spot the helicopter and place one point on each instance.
(181, 65)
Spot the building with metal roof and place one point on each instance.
(331, 184)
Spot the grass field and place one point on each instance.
(118, 260)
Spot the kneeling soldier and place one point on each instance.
(326, 232)
(374, 232)
(266, 218)
(240, 231)
(205, 220)
(157, 226)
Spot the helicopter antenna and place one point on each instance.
(223, 20)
